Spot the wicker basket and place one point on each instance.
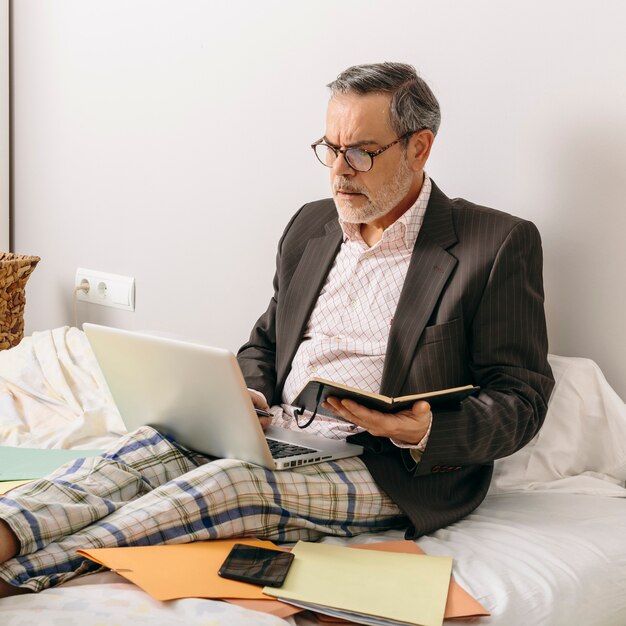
(15, 270)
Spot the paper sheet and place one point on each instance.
(396, 586)
(7, 485)
(30, 463)
(459, 602)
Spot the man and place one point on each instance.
(389, 287)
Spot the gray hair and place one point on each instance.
(413, 104)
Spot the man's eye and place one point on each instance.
(358, 157)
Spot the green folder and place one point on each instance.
(31, 463)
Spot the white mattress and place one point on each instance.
(531, 557)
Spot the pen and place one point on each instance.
(263, 413)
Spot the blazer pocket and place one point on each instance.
(441, 332)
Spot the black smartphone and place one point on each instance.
(259, 566)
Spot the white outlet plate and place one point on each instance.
(106, 289)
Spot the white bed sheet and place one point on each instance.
(530, 557)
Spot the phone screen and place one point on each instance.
(260, 566)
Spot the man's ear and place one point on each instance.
(419, 147)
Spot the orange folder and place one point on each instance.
(272, 606)
(189, 570)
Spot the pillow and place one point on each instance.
(581, 447)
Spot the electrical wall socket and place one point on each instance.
(105, 289)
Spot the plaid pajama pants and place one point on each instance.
(148, 490)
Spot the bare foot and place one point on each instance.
(7, 590)
(9, 545)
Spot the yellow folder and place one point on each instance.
(407, 588)
(7, 485)
(459, 603)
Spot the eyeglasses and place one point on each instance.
(357, 158)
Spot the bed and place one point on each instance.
(546, 547)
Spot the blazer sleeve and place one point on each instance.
(508, 349)
(257, 357)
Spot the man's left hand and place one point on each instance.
(409, 426)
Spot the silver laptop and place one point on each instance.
(198, 395)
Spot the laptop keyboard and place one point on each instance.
(281, 449)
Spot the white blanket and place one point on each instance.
(53, 395)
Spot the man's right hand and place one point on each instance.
(260, 402)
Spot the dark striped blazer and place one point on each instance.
(471, 311)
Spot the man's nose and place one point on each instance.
(341, 167)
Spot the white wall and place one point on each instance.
(169, 140)
(4, 127)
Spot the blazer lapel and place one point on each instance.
(429, 270)
(303, 291)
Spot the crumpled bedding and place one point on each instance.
(53, 394)
(107, 599)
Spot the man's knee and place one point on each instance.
(233, 482)
(236, 471)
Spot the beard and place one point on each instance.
(377, 204)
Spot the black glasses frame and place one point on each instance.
(346, 151)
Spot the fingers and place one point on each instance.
(349, 409)
(409, 425)
(420, 407)
(335, 406)
(260, 403)
(377, 423)
(352, 411)
(265, 422)
(258, 400)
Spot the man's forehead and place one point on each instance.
(354, 118)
